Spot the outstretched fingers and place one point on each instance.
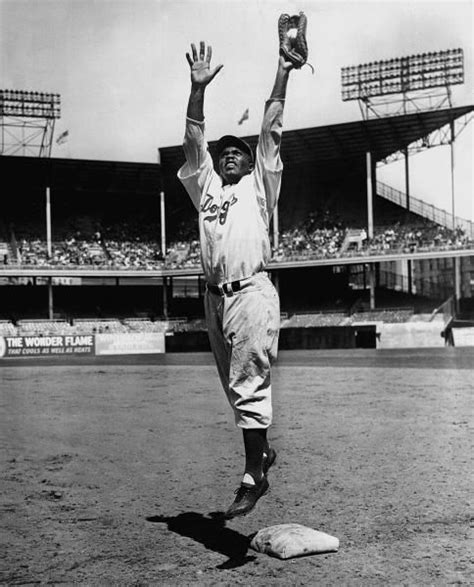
(202, 53)
(202, 63)
(215, 71)
(193, 59)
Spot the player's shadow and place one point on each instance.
(212, 533)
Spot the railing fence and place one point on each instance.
(428, 211)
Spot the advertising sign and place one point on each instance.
(140, 343)
(31, 346)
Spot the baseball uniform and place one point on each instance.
(241, 304)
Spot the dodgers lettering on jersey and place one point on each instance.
(234, 219)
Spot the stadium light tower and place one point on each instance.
(27, 122)
(401, 86)
(404, 84)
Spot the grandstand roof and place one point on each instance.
(322, 144)
(102, 176)
(346, 141)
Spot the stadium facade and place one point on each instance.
(330, 189)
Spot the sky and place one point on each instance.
(121, 71)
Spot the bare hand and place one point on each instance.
(201, 72)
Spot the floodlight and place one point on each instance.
(427, 70)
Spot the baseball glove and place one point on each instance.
(292, 37)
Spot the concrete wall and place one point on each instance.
(324, 337)
(463, 336)
(410, 335)
(389, 336)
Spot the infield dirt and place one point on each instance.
(111, 473)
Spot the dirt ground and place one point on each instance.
(111, 472)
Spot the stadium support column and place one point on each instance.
(456, 260)
(371, 182)
(50, 299)
(372, 286)
(453, 200)
(457, 283)
(165, 297)
(370, 194)
(407, 178)
(163, 224)
(48, 222)
(407, 192)
(409, 277)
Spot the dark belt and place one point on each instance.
(226, 289)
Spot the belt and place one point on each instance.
(227, 289)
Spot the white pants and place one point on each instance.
(243, 332)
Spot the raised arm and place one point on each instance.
(201, 76)
(198, 167)
(268, 165)
(270, 134)
(281, 79)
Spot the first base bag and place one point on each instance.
(291, 540)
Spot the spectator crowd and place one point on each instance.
(124, 246)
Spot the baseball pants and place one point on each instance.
(243, 332)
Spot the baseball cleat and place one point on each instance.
(246, 499)
(268, 459)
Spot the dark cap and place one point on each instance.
(232, 141)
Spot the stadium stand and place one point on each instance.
(130, 255)
(130, 325)
(99, 237)
(297, 244)
(7, 328)
(145, 325)
(43, 328)
(316, 319)
(84, 326)
(390, 316)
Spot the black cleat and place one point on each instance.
(268, 459)
(246, 499)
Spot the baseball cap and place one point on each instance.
(233, 141)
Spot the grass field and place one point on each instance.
(111, 471)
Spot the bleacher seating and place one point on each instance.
(145, 325)
(7, 328)
(390, 316)
(316, 319)
(65, 253)
(3, 253)
(43, 327)
(310, 240)
(84, 326)
(133, 254)
(136, 245)
(133, 325)
(193, 325)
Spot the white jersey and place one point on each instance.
(234, 219)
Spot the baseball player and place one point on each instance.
(235, 204)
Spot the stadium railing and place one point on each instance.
(424, 209)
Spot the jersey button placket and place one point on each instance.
(215, 231)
